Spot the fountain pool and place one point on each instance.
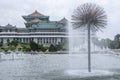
(59, 67)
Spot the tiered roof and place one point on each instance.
(8, 26)
(36, 13)
(51, 24)
(63, 21)
(37, 20)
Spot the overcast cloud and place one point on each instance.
(12, 10)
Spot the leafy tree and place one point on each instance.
(115, 45)
(117, 37)
(1, 43)
(26, 49)
(52, 48)
(14, 43)
(108, 42)
(34, 46)
(19, 49)
(12, 48)
(59, 47)
(43, 48)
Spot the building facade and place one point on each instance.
(38, 28)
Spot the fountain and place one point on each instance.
(77, 68)
(80, 43)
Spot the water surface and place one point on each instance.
(54, 66)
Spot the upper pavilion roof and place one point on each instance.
(8, 26)
(64, 20)
(36, 13)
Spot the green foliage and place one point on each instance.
(52, 48)
(65, 46)
(5, 49)
(115, 44)
(43, 48)
(1, 43)
(34, 46)
(107, 43)
(117, 37)
(59, 47)
(19, 49)
(14, 43)
(12, 48)
(25, 47)
(103, 43)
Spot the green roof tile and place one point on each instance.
(47, 25)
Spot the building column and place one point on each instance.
(24, 40)
(48, 40)
(21, 39)
(11, 39)
(58, 40)
(42, 40)
(53, 40)
(45, 40)
(35, 40)
(4, 40)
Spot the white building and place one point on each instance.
(38, 28)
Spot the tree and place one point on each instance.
(115, 44)
(59, 47)
(1, 43)
(43, 48)
(92, 17)
(14, 43)
(117, 37)
(108, 41)
(52, 48)
(34, 46)
(12, 48)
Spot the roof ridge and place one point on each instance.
(8, 25)
(36, 13)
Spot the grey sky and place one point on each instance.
(12, 10)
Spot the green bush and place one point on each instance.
(52, 48)
(34, 46)
(12, 48)
(43, 48)
(14, 43)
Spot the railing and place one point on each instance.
(42, 34)
(32, 32)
